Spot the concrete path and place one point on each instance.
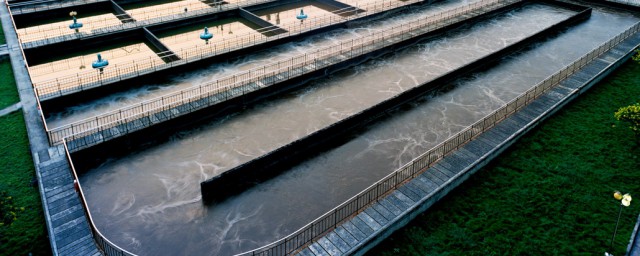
(10, 109)
(4, 50)
(368, 228)
(67, 225)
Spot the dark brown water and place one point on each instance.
(149, 202)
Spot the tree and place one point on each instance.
(631, 115)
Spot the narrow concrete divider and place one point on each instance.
(344, 8)
(266, 27)
(163, 51)
(613, 4)
(121, 13)
(273, 163)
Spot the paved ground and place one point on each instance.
(10, 109)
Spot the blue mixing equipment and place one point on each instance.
(206, 35)
(75, 25)
(100, 64)
(302, 16)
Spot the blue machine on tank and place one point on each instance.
(100, 64)
(301, 16)
(75, 25)
(206, 35)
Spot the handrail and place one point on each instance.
(357, 203)
(79, 82)
(376, 191)
(21, 8)
(244, 82)
(107, 247)
(41, 40)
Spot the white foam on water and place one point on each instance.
(167, 216)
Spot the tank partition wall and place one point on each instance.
(272, 163)
(328, 221)
(256, 83)
(157, 36)
(49, 63)
(323, 224)
(245, 42)
(267, 28)
(55, 23)
(22, 7)
(627, 5)
(122, 14)
(148, 19)
(164, 52)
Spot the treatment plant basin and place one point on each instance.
(42, 28)
(145, 10)
(63, 64)
(149, 201)
(226, 29)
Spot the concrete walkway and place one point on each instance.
(68, 229)
(10, 109)
(368, 228)
(4, 50)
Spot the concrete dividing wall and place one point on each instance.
(246, 175)
(162, 50)
(621, 6)
(260, 22)
(121, 13)
(340, 6)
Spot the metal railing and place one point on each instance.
(114, 73)
(328, 221)
(45, 40)
(37, 6)
(359, 202)
(94, 23)
(61, 29)
(129, 119)
(107, 247)
(164, 10)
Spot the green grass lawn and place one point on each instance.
(22, 226)
(8, 90)
(27, 233)
(550, 194)
(2, 40)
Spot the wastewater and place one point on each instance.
(149, 202)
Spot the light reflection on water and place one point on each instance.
(149, 202)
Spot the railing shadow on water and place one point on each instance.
(328, 221)
(244, 82)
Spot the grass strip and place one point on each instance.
(22, 227)
(8, 90)
(550, 194)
